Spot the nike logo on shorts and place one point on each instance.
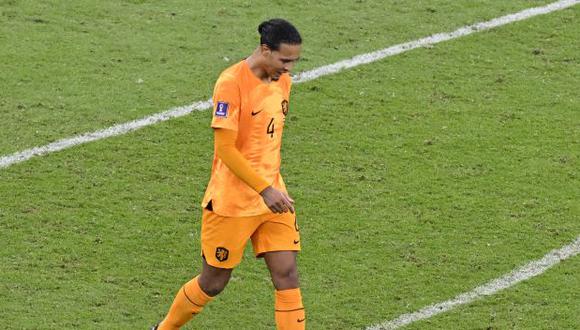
(255, 113)
(296, 241)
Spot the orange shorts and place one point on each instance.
(223, 239)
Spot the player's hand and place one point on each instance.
(277, 201)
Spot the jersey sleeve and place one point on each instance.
(226, 104)
(225, 146)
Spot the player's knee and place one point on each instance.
(285, 278)
(214, 286)
(214, 290)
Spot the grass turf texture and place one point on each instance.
(512, 308)
(69, 67)
(416, 178)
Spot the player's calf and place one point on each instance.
(194, 295)
(189, 301)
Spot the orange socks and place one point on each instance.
(289, 310)
(189, 301)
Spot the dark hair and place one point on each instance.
(277, 31)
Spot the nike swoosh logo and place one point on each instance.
(255, 113)
(296, 241)
(299, 320)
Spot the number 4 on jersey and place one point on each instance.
(270, 129)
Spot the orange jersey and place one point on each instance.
(257, 111)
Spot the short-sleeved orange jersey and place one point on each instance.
(257, 111)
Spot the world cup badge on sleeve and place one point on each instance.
(221, 109)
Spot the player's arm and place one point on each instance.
(225, 143)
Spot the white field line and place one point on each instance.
(526, 272)
(120, 129)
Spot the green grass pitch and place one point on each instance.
(416, 178)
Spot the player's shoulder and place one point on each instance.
(286, 80)
(231, 74)
(228, 83)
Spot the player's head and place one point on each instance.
(280, 46)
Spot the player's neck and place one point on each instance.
(256, 66)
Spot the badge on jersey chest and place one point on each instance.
(221, 109)
(284, 107)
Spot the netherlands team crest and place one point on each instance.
(285, 107)
(221, 254)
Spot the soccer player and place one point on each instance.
(246, 197)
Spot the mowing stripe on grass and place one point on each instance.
(121, 129)
(528, 271)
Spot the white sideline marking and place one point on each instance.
(526, 272)
(120, 129)
(104, 133)
(433, 39)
